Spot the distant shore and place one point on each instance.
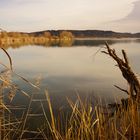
(61, 37)
(46, 38)
(107, 38)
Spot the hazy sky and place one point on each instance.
(34, 15)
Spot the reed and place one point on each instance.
(87, 122)
(84, 121)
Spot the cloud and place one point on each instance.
(135, 14)
(130, 23)
(65, 14)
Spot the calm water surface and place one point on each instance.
(81, 68)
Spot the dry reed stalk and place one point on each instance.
(5, 77)
(3, 107)
(88, 123)
(56, 135)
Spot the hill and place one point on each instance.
(92, 33)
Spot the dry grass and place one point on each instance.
(84, 121)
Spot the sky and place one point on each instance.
(37, 15)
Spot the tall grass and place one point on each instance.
(87, 122)
(83, 122)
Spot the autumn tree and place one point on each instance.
(66, 35)
(4, 34)
(14, 34)
(47, 34)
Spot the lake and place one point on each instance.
(70, 70)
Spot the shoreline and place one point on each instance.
(107, 38)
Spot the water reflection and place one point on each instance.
(50, 43)
(99, 42)
(77, 42)
(68, 70)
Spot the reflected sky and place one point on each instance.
(66, 70)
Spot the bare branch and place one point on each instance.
(10, 60)
(127, 72)
(121, 89)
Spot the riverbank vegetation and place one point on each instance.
(46, 38)
(83, 122)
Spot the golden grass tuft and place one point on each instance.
(83, 122)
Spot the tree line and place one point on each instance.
(13, 38)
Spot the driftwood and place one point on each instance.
(127, 72)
